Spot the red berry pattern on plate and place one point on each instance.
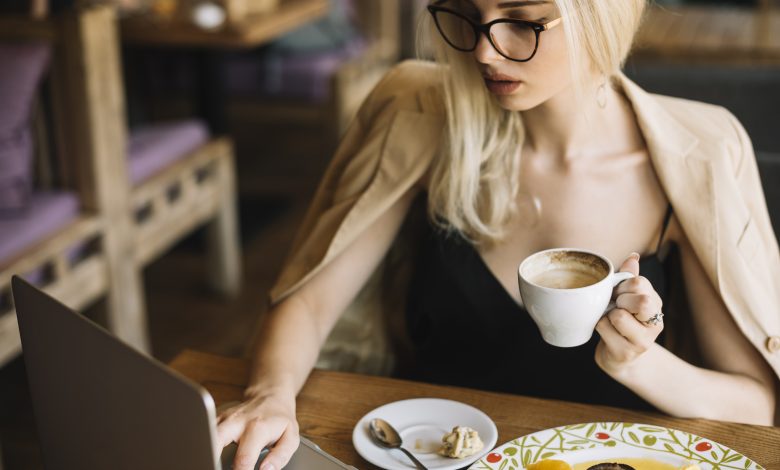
(703, 446)
(593, 437)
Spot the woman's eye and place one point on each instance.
(521, 28)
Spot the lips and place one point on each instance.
(501, 84)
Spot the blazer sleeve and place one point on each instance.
(749, 182)
(379, 157)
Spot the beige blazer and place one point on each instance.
(701, 153)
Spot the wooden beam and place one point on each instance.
(79, 231)
(84, 284)
(98, 151)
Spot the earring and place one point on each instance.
(601, 94)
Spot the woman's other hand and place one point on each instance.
(631, 328)
(263, 420)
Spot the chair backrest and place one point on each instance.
(87, 99)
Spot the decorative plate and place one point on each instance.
(588, 442)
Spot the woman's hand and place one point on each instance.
(631, 328)
(263, 420)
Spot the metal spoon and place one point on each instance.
(386, 436)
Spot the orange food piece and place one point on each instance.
(549, 464)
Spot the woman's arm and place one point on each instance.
(737, 384)
(290, 340)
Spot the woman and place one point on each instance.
(529, 137)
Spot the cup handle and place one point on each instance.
(620, 277)
(617, 279)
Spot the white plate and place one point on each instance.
(588, 442)
(422, 422)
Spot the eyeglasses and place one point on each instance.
(514, 39)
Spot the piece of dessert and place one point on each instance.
(461, 442)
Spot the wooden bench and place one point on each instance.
(91, 139)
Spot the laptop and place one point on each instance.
(99, 404)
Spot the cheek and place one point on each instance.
(546, 75)
(549, 69)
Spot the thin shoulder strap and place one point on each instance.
(667, 219)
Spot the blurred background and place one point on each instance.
(156, 156)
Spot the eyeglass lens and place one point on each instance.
(513, 40)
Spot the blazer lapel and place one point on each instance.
(685, 173)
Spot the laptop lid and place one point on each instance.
(100, 404)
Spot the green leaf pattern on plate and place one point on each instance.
(554, 442)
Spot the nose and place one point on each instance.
(485, 53)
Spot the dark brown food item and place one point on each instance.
(611, 466)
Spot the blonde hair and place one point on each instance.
(474, 181)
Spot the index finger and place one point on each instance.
(283, 450)
(255, 438)
(229, 431)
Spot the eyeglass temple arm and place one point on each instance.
(551, 24)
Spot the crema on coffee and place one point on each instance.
(563, 278)
(566, 270)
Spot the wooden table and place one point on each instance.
(711, 34)
(253, 31)
(331, 403)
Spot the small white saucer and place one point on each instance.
(422, 422)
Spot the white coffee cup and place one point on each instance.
(566, 291)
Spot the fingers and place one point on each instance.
(614, 340)
(642, 306)
(228, 430)
(619, 350)
(283, 450)
(631, 265)
(638, 335)
(254, 439)
(638, 284)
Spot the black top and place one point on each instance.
(466, 330)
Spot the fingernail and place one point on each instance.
(267, 466)
(634, 255)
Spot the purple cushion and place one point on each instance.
(304, 76)
(154, 147)
(46, 213)
(23, 65)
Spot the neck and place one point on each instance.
(567, 127)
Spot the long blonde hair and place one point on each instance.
(475, 180)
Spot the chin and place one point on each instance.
(517, 102)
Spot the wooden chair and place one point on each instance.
(78, 68)
(378, 23)
(125, 225)
(199, 188)
(155, 213)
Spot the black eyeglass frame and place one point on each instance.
(484, 28)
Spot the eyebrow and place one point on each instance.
(522, 3)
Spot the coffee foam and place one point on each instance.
(565, 269)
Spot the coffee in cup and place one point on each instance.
(566, 291)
